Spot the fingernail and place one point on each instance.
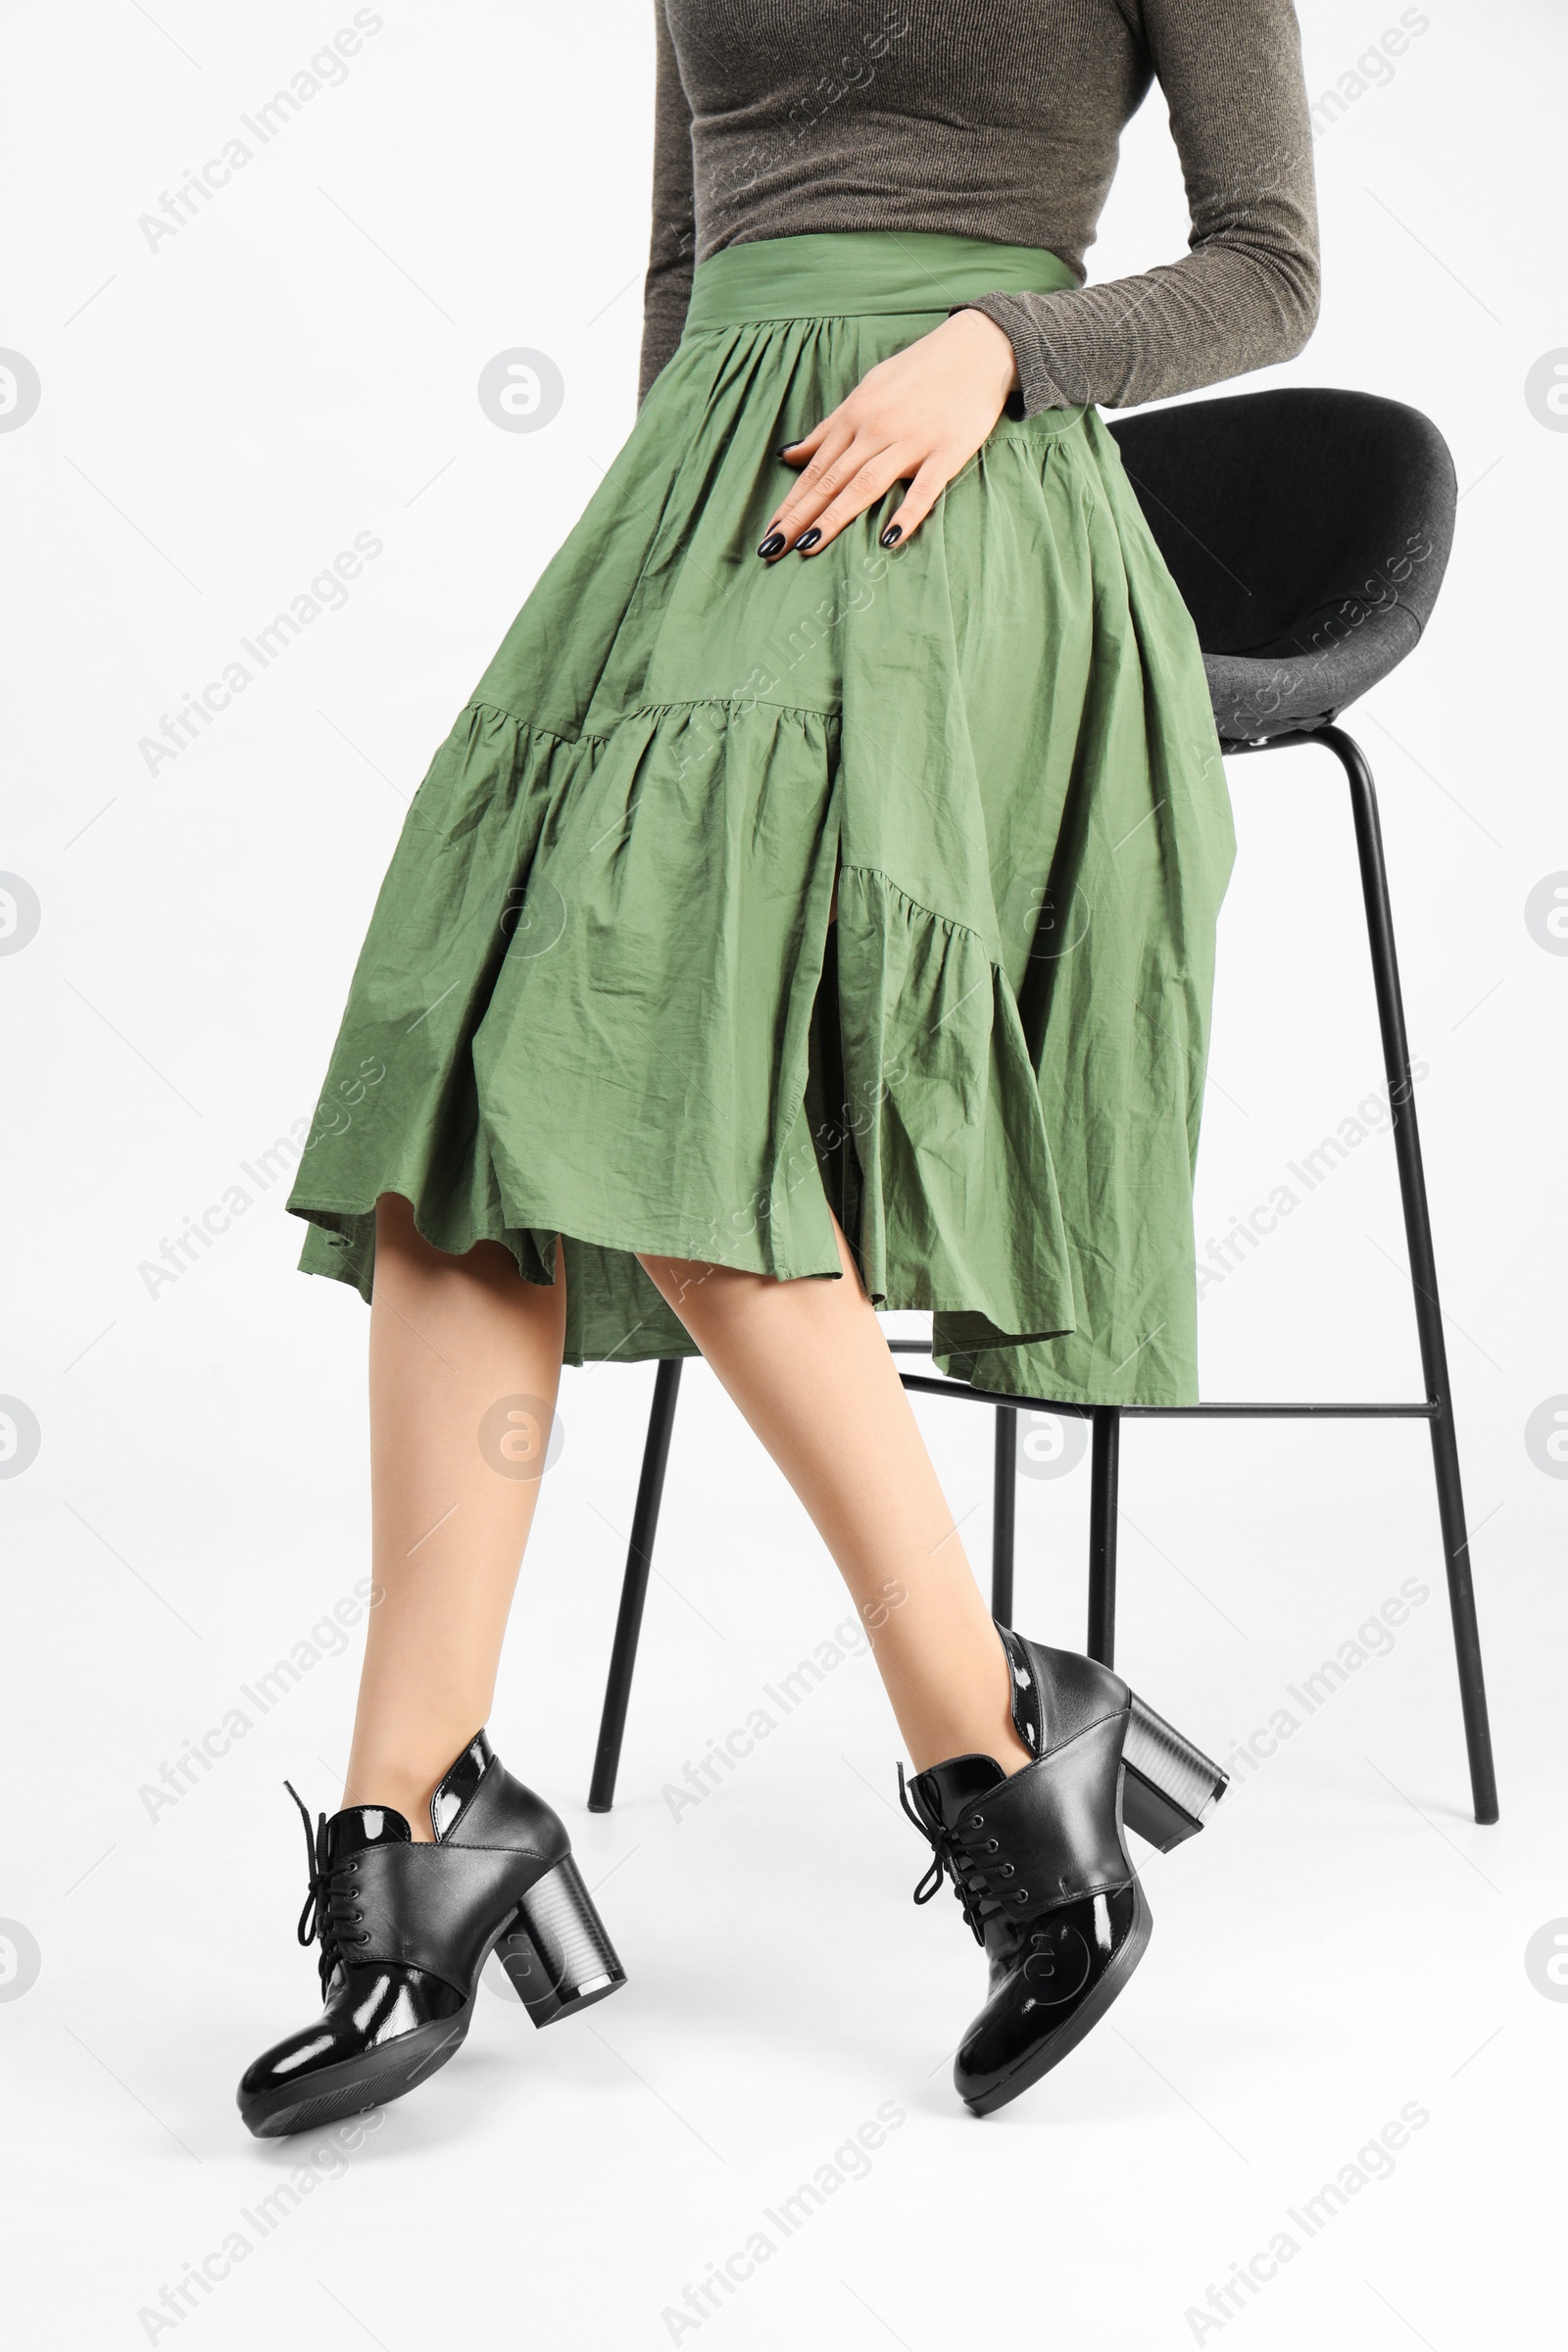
(892, 534)
(805, 544)
(785, 450)
(772, 545)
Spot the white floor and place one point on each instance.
(1343, 1949)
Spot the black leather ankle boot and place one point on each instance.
(405, 1931)
(1039, 1862)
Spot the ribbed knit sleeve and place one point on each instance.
(672, 247)
(1246, 294)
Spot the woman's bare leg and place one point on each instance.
(810, 1368)
(450, 1338)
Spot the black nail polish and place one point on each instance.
(892, 534)
(804, 546)
(772, 545)
(785, 450)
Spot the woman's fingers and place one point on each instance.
(870, 480)
(828, 467)
(918, 417)
(929, 482)
(846, 475)
(849, 473)
(795, 452)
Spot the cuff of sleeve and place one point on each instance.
(1039, 387)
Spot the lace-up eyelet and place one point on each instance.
(1006, 1869)
(993, 1846)
(1022, 1895)
(950, 1858)
(329, 1909)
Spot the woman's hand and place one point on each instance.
(917, 417)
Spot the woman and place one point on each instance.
(813, 911)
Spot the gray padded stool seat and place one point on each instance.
(1308, 532)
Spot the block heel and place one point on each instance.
(1169, 1785)
(555, 1948)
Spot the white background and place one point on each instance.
(220, 417)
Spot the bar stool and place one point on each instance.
(1309, 531)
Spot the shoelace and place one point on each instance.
(964, 1855)
(329, 1912)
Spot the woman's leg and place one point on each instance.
(450, 1338)
(808, 1366)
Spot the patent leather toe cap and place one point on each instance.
(1057, 1977)
(366, 2008)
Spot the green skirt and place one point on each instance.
(607, 998)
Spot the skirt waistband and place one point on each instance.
(862, 272)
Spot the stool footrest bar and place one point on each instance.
(925, 1385)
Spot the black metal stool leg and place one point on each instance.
(1423, 1267)
(634, 1586)
(1103, 1472)
(1002, 1514)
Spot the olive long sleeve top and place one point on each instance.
(1001, 119)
